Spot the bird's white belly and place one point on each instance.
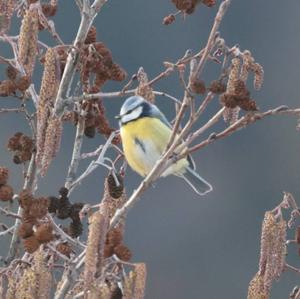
(147, 154)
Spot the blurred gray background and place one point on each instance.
(195, 247)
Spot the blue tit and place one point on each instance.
(145, 133)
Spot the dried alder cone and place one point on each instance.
(6, 191)
(22, 146)
(95, 120)
(34, 230)
(96, 61)
(14, 82)
(63, 209)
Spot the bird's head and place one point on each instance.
(134, 108)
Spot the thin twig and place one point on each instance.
(94, 164)
(87, 17)
(28, 184)
(8, 231)
(9, 213)
(76, 152)
(210, 42)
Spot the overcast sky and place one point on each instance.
(197, 247)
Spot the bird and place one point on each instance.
(145, 133)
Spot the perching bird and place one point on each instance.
(145, 133)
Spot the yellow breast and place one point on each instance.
(144, 140)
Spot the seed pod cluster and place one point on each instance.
(239, 98)
(14, 82)
(96, 61)
(95, 120)
(217, 87)
(6, 191)
(32, 231)
(48, 10)
(198, 86)
(22, 146)
(63, 209)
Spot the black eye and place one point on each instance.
(129, 111)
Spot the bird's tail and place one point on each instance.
(199, 185)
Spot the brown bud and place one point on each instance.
(14, 142)
(17, 160)
(298, 235)
(117, 73)
(169, 19)
(44, 233)
(6, 193)
(114, 237)
(25, 199)
(7, 88)
(240, 88)
(108, 250)
(11, 72)
(247, 104)
(123, 252)
(64, 248)
(39, 207)
(25, 230)
(209, 3)
(26, 143)
(90, 132)
(198, 86)
(23, 83)
(25, 156)
(49, 10)
(26, 218)
(31, 244)
(75, 229)
(188, 6)
(217, 87)
(229, 100)
(3, 175)
(91, 36)
(115, 189)
(63, 191)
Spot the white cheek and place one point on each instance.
(133, 115)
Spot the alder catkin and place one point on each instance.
(6, 11)
(28, 40)
(49, 129)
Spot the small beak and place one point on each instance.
(118, 116)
